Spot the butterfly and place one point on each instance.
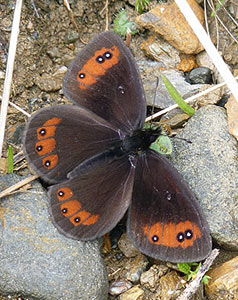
(97, 158)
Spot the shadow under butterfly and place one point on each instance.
(98, 158)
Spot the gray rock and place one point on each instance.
(160, 97)
(210, 167)
(71, 37)
(199, 75)
(37, 262)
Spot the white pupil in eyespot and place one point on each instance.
(100, 59)
(155, 238)
(42, 132)
(108, 55)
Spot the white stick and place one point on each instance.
(9, 70)
(20, 109)
(209, 47)
(171, 107)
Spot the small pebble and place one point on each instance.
(134, 293)
(126, 246)
(120, 286)
(135, 270)
(200, 75)
(150, 278)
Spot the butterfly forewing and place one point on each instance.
(92, 202)
(165, 221)
(105, 79)
(61, 137)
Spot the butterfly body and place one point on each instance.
(97, 156)
(140, 140)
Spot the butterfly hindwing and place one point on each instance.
(59, 138)
(92, 202)
(104, 78)
(165, 221)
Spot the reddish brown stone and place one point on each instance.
(168, 21)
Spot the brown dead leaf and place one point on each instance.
(176, 121)
(106, 247)
(232, 116)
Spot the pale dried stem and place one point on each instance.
(18, 108)
(9, 71)
(18, 185)
(222, 24)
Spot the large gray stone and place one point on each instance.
(37, 262)
(210, 167)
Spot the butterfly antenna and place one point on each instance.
(182, 139)
(156, 87)
(153, 105)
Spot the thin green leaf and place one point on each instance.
(218, 5)
(177, 97)
(184, 268)
(205, 279)
(10, 160)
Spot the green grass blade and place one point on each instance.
(177, 97)
(10, 160)
(218, 5)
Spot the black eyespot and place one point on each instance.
(61, 193)
(100, 59)
(39, 148)
(42, 132)
(81, 75)
(64, 210)
(155, 238)
(107, 55)
(188, 234)
(180, 237)
(77, 220)
(47, 163)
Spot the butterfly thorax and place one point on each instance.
(140, 140)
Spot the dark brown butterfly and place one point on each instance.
(97, 155)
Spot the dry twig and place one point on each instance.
(222, 24)
(35, 9)
(18, 108)
(194, 285)
(18, 185)
(66, 4)
(105, 8)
